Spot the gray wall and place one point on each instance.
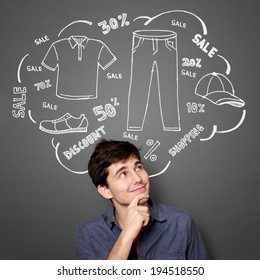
(44, 195)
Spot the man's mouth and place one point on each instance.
(139, 189)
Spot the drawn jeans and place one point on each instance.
(153, 50)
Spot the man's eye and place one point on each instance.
(123, 174)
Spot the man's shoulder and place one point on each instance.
(169, 208)
(174, 218)
(94, 221)
(171, 212)
(91, 221)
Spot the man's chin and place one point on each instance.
(143, 201)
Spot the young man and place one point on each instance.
(135, 227)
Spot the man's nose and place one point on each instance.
(136, 178)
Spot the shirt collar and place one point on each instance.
(156, 215)
(110, 218)
(78, 40)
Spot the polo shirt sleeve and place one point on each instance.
(105, 57)
(50, 60)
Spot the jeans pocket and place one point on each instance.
(171, 44)
(136, 43)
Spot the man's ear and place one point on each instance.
(104, 191)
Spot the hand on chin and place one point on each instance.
(143, 201)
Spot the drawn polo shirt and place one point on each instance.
(77, 60)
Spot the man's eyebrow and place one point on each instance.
(120, 170)
(125, 167)
(138, 162)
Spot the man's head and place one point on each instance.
(118, 173)
(106, 153)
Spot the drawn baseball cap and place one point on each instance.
(218, 89)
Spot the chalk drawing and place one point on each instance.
(150, 154)
(150, 19)
(74, 22)
(215, 128)
(77, 60)
(56, 147)
(217, 88)
(19, 68)
(147, 46)
(30, 116)
(65, 124)
(114, 23)
(227, 63)
(162, 171)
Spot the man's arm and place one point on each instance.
(137, 217)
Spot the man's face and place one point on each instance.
(125, 180)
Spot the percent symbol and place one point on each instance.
(149, 154)
(123, 18)
(114, 100)
(198, 62)
(201, 108)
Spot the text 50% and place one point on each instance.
(108, 110)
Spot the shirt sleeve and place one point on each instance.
(84, 248)
(196, 248)
(93, 241)
(50, 60)
(106, 57)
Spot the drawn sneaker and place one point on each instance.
(65, 124)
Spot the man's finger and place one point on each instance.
(135, 201)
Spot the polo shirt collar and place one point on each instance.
(78, 40)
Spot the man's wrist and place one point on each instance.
(127, 237)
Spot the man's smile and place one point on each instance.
(138, 189)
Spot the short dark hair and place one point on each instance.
(106, 153)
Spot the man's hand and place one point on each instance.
(137, 217)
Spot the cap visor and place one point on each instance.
(224, 97)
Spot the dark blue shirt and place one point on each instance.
(170, 235)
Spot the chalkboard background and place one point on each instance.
(212, 172)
